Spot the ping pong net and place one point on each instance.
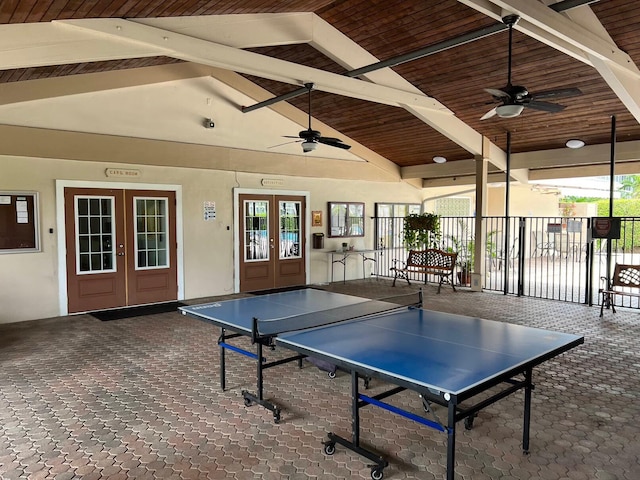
(366, 308)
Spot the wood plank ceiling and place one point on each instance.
(388, 28)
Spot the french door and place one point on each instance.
(272, 241)
(121, 248)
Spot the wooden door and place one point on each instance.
(272, 241)
(152, 273)
(121, 248)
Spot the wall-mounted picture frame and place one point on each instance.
(316, 218)
(346, 219)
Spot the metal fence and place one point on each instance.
(547, 257)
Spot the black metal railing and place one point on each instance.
(547, 257)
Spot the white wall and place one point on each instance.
(29, 285)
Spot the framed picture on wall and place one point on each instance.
(316, 218)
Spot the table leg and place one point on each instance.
(222, 362)
(451, 441)
(527, 410)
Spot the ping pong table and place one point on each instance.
(461, 363)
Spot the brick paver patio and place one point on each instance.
(139, 398)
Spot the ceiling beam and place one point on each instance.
(394, 61)
(26, 45)
(536, 162)
(52, 87)
(352, 56)
(208, 53)
(240, 30)
(594, 45)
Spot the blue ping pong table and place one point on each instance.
(461, 363)
(239, 317)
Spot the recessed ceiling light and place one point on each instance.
(439, 159)
(575, 143)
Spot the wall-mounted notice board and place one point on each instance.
(18, 221)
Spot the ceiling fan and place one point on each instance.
(515, 98)
(311, 138)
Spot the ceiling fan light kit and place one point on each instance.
(309, 146)
(509, 111)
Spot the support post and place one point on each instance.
(482, 162)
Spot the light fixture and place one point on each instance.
(509, 111)
(309, 146)
(439, 159)
(208, 123)
(574, 143)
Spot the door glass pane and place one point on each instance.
(256, 230)
(151, 232)
(94, 236)
(290, 229)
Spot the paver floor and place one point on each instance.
(139, 398)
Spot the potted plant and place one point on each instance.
(465, 261)
(463, 243)
(421, 231)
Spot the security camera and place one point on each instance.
(208, 123)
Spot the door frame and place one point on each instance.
(60, 225)
(236, 228)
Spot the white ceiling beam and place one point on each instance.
(350, 55)
(578, 33)
(562, 27)
(208, 53)
(241, 30)
(535, 161)
(52, 87)
(25, 45)
(556, 30)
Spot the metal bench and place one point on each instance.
(428, 262)
(625, 281)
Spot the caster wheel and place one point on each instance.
(332, 374)
(329, 448)
(377, 474)
(247, 402)
(468, 422)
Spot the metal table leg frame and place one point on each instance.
(223, 346)
(527, 410)
(354, 445)
(250, 398)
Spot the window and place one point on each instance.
(453, 207)
(389, 223)
(151, 233)
(19, 222)
(346, 219)
(95, 236)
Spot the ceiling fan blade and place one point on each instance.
(497, 93)
(290, 136)
(558, 93)
(489, 114)
(285, 143)
(334, 142)
(545, 106)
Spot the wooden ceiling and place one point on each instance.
(387, 28)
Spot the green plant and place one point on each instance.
(421, 231)
(463, 243)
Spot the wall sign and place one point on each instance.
(209, 211)
(122, 172)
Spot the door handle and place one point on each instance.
(121, 254)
